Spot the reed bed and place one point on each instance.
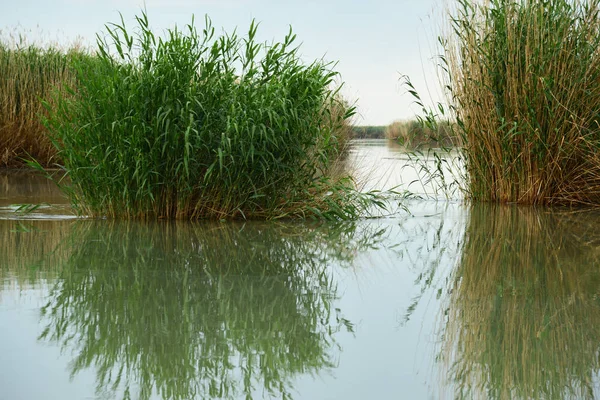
(28, 75)
(368, 132)
(193, 126)
(523, 318)
(414, 134)
(524, 80)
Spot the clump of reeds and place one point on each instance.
(28, 74)
(523, 318)
(198, 126)
(416, 134)
(525, 83)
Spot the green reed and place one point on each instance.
(194, 125)
(524, 82)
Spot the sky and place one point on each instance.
(374, 42)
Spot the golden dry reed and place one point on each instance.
(524, 81)
(27, 76)
(523, 318)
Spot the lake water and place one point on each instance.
(445, 301)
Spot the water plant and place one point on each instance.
(194, 125)
(524, 84)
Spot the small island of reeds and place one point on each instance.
(192, 125)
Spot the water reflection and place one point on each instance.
(32, 250)
(523, 319)
(21, 186)
(178, 311)
(429, 173)
(183, 311)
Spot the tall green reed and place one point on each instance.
(194, 125)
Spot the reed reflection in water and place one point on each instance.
(182, 311)
(523, 316)
(18, 186)
(32, 250)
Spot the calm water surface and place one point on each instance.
(447, 301)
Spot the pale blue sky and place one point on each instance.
(373, 41)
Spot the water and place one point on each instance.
(427, 173)
(447, 301)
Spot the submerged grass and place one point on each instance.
(524, 81)
(198, 126)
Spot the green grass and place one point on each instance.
(524, 84)
(194, 125)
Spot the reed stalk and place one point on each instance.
(413, 134)
(28, 75)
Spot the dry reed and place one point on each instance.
(415, 134)
(28, 74)
(524, 78)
